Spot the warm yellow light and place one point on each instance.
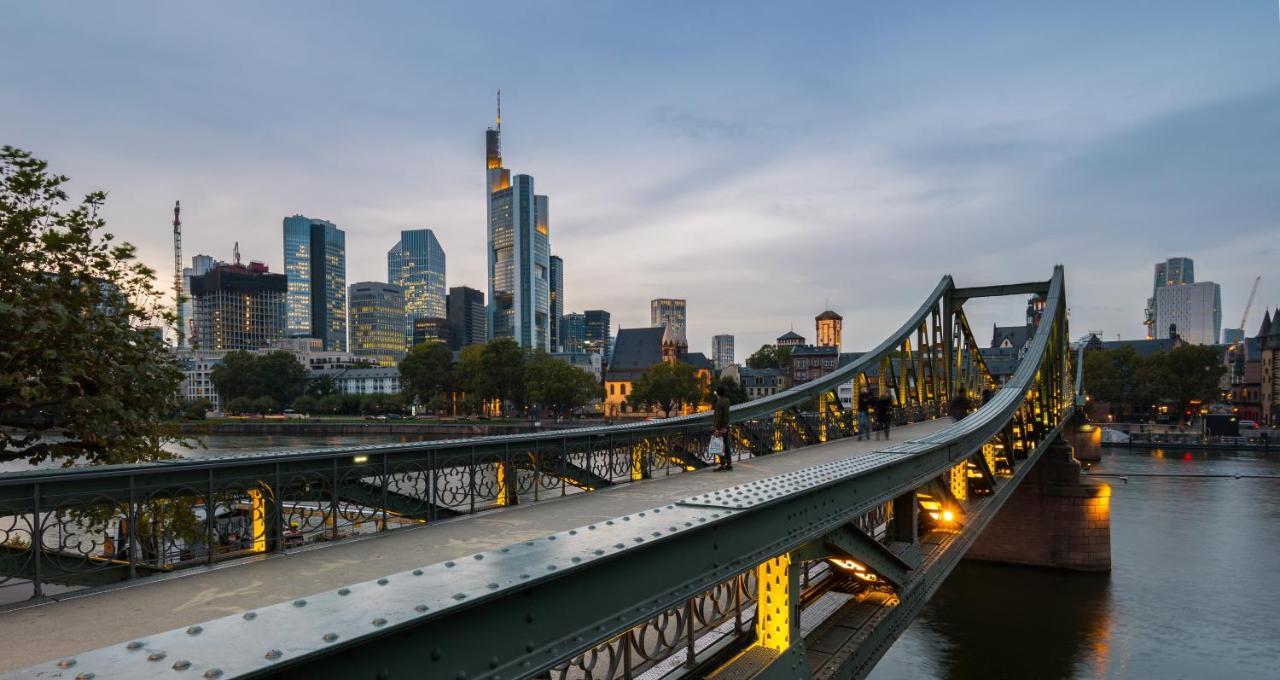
(360, 459)
(843, 563)
(948, 516)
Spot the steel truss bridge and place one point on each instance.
(811, 564)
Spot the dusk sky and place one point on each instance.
(761, 160)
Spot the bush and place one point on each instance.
(305, 404)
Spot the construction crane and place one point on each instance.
(177, 267)
(1247, 305)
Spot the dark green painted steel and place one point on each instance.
(850, 542)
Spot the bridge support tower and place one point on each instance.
(1053, 519)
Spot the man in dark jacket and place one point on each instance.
(884, 413)
(722, 428)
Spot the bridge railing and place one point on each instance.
(97, 525)
(528, 608)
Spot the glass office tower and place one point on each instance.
(557, 302)
(416, 263)
(315, 262)
(519, 238)
(378, 322)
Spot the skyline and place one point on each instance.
(743, 181)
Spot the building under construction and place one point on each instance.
(238, 307)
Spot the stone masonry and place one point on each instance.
(1053, 519)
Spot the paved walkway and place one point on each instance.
(85, 620)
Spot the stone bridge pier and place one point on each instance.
(1054, 519)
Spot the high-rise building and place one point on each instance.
(557, 301)
(519, 237)
(200, 265)
(315, 262)
(1175, 271)
(378, 322)
(466, 317)
(1192, 310)
(829, 326)
(722, 351)
(416, 263)
(238, 307)
(573, 333)
(431, 329)
(668, 312)
(596, 336)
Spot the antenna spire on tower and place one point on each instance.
(499, 110)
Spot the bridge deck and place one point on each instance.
(74, 622)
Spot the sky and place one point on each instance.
(762, 160)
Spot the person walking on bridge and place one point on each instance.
(884, 413)
(864, 415)
(722, 430)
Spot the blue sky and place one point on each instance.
(759, 159)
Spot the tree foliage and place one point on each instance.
(770, 356)
(666, 386)
(732, 389)
(426, 372)
(555, 384)
(277, 376)
(1131, 383)
(78, 382)
(501, 373)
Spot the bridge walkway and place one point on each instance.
(70, 623)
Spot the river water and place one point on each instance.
(1192, 592)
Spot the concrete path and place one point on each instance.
(84, 620)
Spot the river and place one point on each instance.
(1192, 592)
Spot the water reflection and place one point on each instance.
(982, 616)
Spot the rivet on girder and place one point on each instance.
(450, 564)
(194, 630)
(524, 576)
(551, 567)
(85, 676)
(379, 621)
(576, 560)
(155, 656)
(493, 586)
(272, 654)
(383, 581)
(181, 665)
(421, 608)
(344, 591)
(66, 663)
(136, 644)
(417, 572)
(299, 603)
(459, 596)
(330, 637)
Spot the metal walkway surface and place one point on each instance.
(71, 623)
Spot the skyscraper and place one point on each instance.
(378, 322)
(597, 338)
(557, 301)
(238, 307)
(315, 262)
(668, 312)
(722, 351)
(416, 263)
(573, 332)
(1193, 310)
(466, 317)
(519, 237)
(1175, 271)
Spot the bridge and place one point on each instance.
(606, 552)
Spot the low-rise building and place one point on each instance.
(761, 382)
(591, 363)
(809, 362)
(379, 380)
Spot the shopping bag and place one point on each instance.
(715, 448)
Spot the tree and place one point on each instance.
(277, 375)
(306, 403)
(770, 356)
(732, 389)
(466, 374)
(557, 385)
(426, 371)
(666, 386)
(323, 386)
(330, 404)
(1188, 373)
(78, 382)
(501, 374)
(195, 409)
